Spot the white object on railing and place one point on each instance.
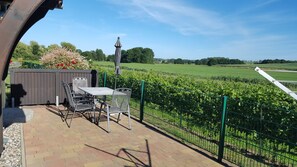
(277, 83)
(57, 101)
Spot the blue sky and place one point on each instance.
(187, 29)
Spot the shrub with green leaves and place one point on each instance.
(200, 101)
(61, 58)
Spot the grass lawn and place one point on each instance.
(242, 71)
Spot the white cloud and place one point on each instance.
(260, 4)
(182, 17)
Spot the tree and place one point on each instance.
(110, 57)
(138, 55)
(217, 60)
(124, 57)
(22, 51)
(42, 50)
(79, 51)
(147, 56)
(52, 47)
(88, 54)
(197, 62)
(134, 55)
(97, 55)
(100, 56)
(68, 46)
(178, 61)
(269, 61)
(62, 58)
(35, 48)
(211, 62)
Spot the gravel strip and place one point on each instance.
(12, 153)
(13, 136)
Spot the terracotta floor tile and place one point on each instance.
(49, 142)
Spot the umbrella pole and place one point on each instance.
(115, 82)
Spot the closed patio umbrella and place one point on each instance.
(117, 59)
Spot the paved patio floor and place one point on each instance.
(50, 143)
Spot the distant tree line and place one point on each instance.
(175, 61)
(217, 60)
(34, 51)
(135, 55)
(270, 61)
(206, 61)
(96, 55)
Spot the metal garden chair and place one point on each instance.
(119, 104)
(77, 93)
(79, 82)
(75, 105)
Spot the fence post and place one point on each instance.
(222, 131)
(141, 100)
(104, 79)
(57, 86)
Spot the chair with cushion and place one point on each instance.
(74, 105)
(119, 104)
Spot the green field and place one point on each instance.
(202, 71)
(282, 66)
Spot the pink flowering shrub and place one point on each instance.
(61, 58)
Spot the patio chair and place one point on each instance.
(74, 105)
(77, 93)
(119, 104)
(79, 82)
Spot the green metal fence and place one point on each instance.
(245, 133)
(260, 139)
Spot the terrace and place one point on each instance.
(254, 136)
(160, 135)
(49, 142)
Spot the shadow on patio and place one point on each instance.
(136, 157)
(49, 142)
